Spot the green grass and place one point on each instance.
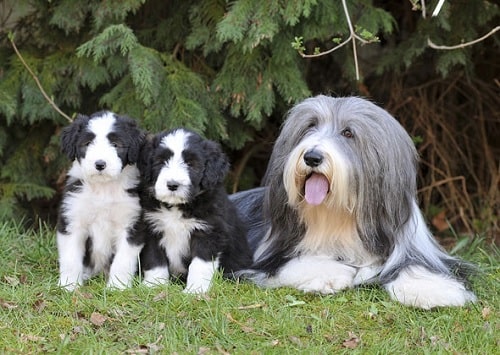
(237, 318)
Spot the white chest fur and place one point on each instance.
(104, 211)
(176, 235)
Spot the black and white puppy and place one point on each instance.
(100, 207)
(339, 209)
(192, 228)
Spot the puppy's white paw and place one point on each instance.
(416, 286)
(156, 276)
(200, 275)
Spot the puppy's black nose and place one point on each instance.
(100, 165)
(313, 158)
(173, 185)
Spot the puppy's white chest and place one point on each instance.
(176, 233)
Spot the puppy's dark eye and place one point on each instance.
(346, 132)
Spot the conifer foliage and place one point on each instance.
(227, 69)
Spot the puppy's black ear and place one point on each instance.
(136, 138)
(145, 160)
(69, 135)
(216, 165)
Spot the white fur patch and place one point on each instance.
(176, 234)
(175, 171)
(101, 149)
(418, 287)
(156, 276)
(200, 275)
(124, 264)
(309, 273)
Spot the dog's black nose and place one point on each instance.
(313, 158)
(173, 185)
(100, 165)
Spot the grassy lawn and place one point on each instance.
(237, 318)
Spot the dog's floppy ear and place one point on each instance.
(145, 160)
(216, 165)
(70, 135)
(136, 141)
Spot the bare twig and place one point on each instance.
(463, 45)
(352, 37)
(438, 8)
(50, 101)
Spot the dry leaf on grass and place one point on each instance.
(486, 312)
(8, 304)
(97, 319)
(352, 342)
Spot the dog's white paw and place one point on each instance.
(156, 276)
(416, 286)
(200, 275)
(314, 273)
(119, 281)
(69, 281)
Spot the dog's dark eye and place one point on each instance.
(312, 124)
(346, 132)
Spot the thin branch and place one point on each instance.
(438, 8)
(352, 37)
(463, 45)
(50, 101)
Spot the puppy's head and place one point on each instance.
(179, 164)
(103, 144)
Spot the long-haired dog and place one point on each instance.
(192, 228)
(100, 207)
(339, 209)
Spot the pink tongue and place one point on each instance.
(316, 189)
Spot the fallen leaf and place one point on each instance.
(352, 342)
(12, 280)
(440, 222)
(30, 337)
(97, 319)
(295, 340)
(486, 312)
(39, 305)
(8, 304)
(203, 350)
(161, 296)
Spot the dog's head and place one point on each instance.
(179, 164)
(103, 144)
(346, 156)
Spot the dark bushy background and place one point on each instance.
(228, 70)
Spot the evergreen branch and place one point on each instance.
(462, 45)
(50, 101)
(352, 38)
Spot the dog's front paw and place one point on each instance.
(119, 281)
(326, 285)
(156, 277)
(314, 273)
(69, 282)
(418, 287)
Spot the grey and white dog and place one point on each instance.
(338, 209)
